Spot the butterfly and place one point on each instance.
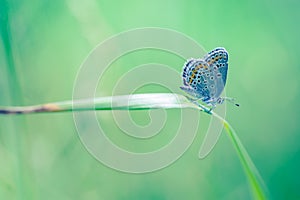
(205, 78)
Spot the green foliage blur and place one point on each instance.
(43, 44)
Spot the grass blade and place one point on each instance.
(256, 183)
(125, 102)
(145, 102)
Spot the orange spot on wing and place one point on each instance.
(214, 59)
(192, 77)
(195, 70)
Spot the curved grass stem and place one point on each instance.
(256, 183)
(150, 101)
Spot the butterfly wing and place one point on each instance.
(194, 78)
(217, 61)
(186, 70)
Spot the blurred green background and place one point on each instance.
(43, 44)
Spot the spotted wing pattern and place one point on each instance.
(205, 78)
(217, 60)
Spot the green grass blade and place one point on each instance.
(256, 183)
(144, 102)
(10, 78)
(125, 102)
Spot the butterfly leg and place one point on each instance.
(188, 90)
(191, 92)
(192, 99)
(205, 109)
(212, 107)
(195, 101)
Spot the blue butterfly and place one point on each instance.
(205, 79)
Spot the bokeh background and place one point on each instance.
(43, 44)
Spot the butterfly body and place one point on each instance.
(205, 78)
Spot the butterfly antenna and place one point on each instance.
(231, 100)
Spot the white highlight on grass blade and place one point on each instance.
(130, 82)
